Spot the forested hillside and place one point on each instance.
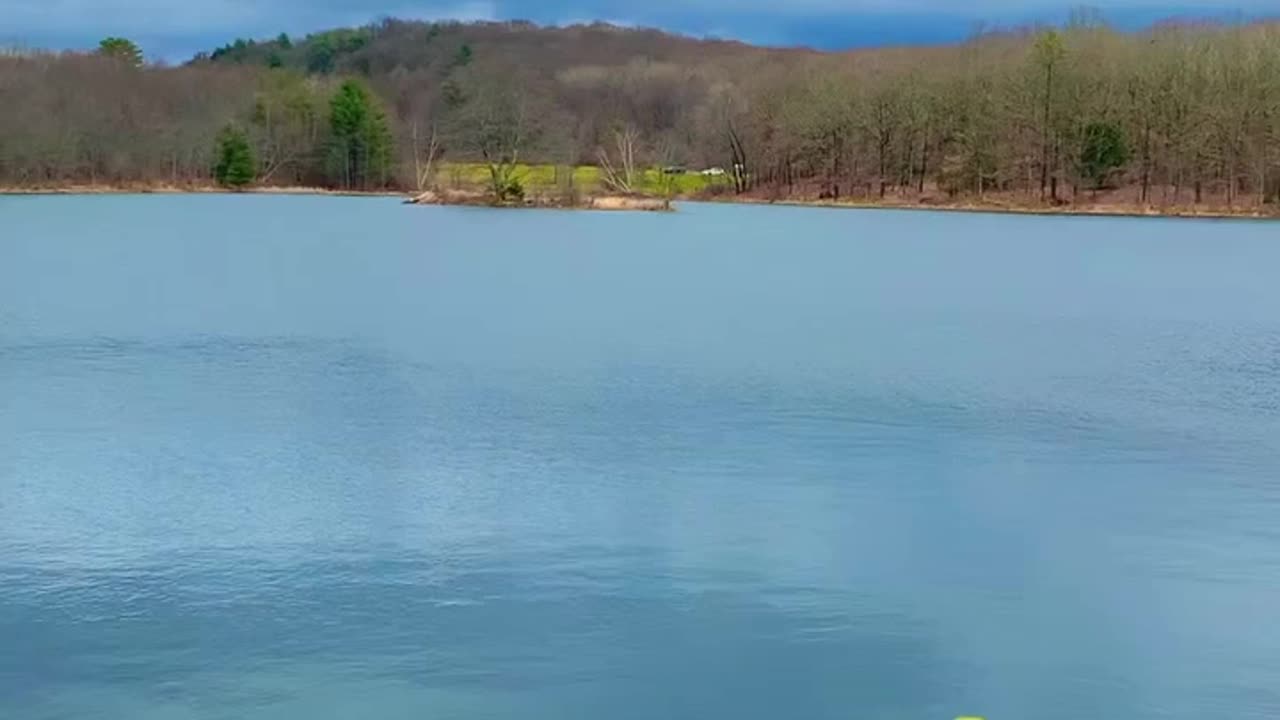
(1180, 113)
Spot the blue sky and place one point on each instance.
(176, 28)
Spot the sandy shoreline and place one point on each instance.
(606, 202)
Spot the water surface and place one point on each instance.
(280, 458)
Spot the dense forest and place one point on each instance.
(1179, 113)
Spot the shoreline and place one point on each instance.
(85, 190)
(1092, 210)
(603, 201)
(1180, 212)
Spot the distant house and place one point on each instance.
(674, 170)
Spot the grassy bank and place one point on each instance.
(586, 179)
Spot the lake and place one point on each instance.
(280, 458)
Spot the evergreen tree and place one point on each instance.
(321, 55)
(361, 153)
(1104, 152)
(236, 166)
(463, 57)
(122, 49)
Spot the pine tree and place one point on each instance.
(463, 57)
(1103, 153)
(236, 166)
(122, 49)
(362, 143)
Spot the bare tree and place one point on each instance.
(424, 157)
(1007, 115)
(620, 174)
(497, 119)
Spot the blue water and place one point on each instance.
(304, 458)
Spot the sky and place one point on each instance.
(176, 29)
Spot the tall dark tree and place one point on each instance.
(1103, 151)
(1049, 52)
(361, 152)
(236, 166)
(321, 55)
(463, 57)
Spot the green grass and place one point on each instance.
(586, 178)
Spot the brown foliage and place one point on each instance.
(1003, 115)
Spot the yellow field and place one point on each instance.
(586, 178)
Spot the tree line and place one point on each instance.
(1179, 113)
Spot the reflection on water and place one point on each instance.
(739, 462)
